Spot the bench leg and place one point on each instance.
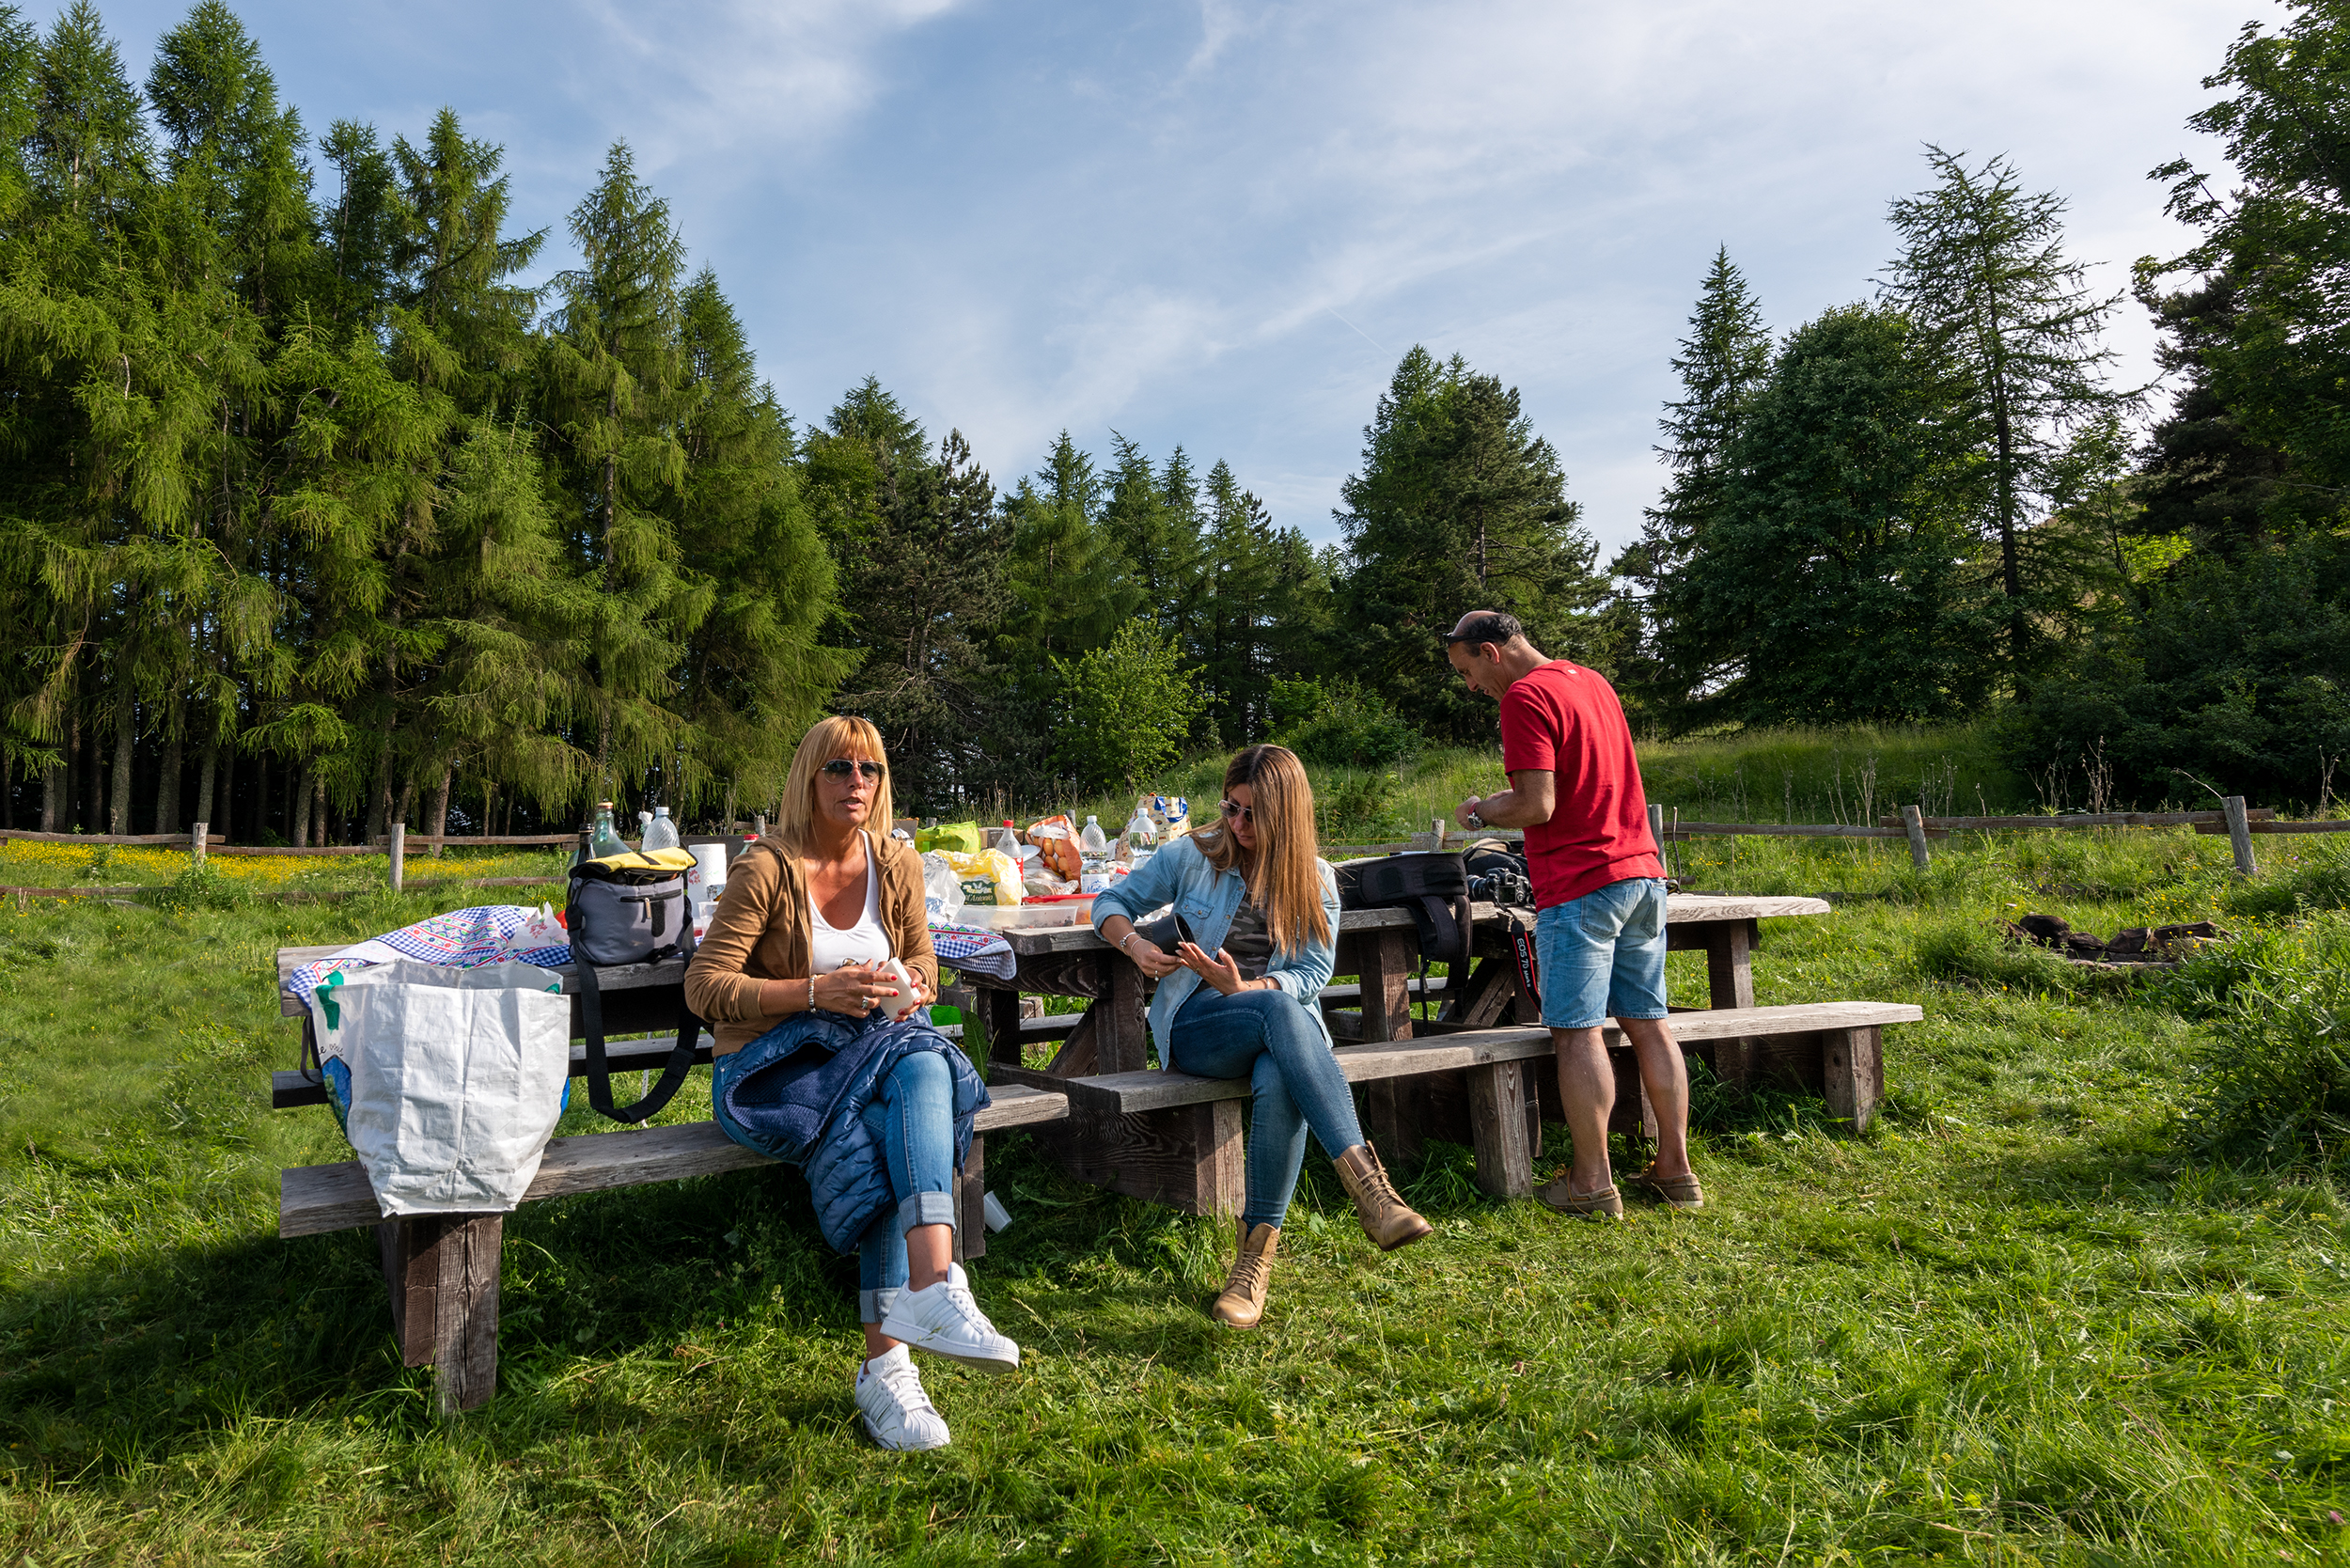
(1189, 1157)
(1497, 1100)
(442, 1274)
(1852, 1065)
(971, 1203)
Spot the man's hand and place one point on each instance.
(1468, 808)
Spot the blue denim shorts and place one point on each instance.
(1603, 955)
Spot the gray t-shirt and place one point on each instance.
(1248, 942)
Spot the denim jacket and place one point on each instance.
(1207, 900)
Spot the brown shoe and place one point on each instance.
(1386, 1219)
(1607, 1203)
(1679, 1192)
(1242, 1303)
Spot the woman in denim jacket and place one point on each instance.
(1242, 999)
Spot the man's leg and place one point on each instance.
(1586, 1090)
(1665, 1074)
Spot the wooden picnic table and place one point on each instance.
(1190, 1156)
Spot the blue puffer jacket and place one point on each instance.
(798, 1094)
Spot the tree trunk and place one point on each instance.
(439, 825)
(261, 798)
(207, 765)
(53, 795)
(126, 730)
(407, 803)
(168, 777)
(93, 781)
(227, 805)
(317, 807)
(301, 834)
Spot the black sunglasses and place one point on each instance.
(840, 767)
(1235, 808)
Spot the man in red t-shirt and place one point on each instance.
(1575, 787)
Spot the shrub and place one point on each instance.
(1339, 724)
(1129, 707)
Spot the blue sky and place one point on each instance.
(1221, 225)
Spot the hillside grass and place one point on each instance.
(1765, 776)
(2020, 1322)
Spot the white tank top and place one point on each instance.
(830, 947)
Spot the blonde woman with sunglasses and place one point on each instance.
(1239, 997)
(820, 1059)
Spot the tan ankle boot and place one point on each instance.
(1386, 1219)
(1242, 1303)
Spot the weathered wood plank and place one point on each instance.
(320, 1198)
(465, 1317)
(1852, 1065)
(1496, 1107)
(1130, 1094)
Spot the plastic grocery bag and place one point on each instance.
(942, 887)
(958, 837)
(449, 1082)
(990, 876)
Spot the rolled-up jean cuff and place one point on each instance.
(926, 1208)
(873, 1306)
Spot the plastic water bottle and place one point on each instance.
(1006, 838)
(606, 840)
(1093, 846)
(1141, 834)
(662, 834)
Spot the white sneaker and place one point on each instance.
(944, 1320)
(898, 1413)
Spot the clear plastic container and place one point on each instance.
(1093, 845)
(663, 833)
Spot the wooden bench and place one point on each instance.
(1834, 1049)
(442, 1270)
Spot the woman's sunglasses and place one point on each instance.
(840, 767)
(1234, 809)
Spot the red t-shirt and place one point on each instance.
(1565, 720)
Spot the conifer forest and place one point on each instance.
(316, 513)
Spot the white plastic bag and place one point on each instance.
(455, 1078)
(942, 887)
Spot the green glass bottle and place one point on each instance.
(608, 839)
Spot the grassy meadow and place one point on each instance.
(2072, 1301)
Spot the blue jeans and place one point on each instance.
(914, 1120)
(1265, 1036)
(1603, 955)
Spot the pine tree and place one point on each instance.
(1983, 274)
(1834, 583)
(1723, 362)
(1459, 505)
(609, 388)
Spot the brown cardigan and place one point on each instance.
(758, 932)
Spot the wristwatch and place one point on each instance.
(1475, 821)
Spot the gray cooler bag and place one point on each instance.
(630, 909)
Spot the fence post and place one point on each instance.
(1915, 820)
(400, 849)
(196, 842)
(2240, 835)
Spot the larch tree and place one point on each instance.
(1983, 274)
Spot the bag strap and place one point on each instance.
(1529, 966)
(673, 1071)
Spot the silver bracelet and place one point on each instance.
(811, 993)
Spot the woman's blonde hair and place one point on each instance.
(845, 736)
(1283, 878)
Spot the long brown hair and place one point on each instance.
(844, 735)
(1283, 876)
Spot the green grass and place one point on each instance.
(2022, 1322)
(1766, 776)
